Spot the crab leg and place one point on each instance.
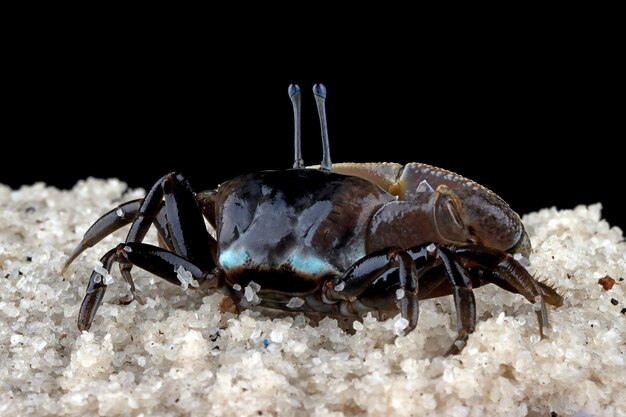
(114, 220)
(453, 279)
(411, 265)
(110, 222)
(184, 221)
(509, 273)
(153, 259)
(463, 298)
(172, 206)
(163, 233)
(485, 276)
(95, 293)
(357, 279)
(104, 226)
(158, 261)
(181, 224)
(147, 212)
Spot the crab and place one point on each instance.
(339, 240)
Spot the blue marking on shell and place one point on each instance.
(305, 264)
(310, 265)
(233, 258)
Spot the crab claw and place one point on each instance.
(463, 216)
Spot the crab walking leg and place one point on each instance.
(112, 221)
(160, 222)
(163, 233)
(409, 306)
(180, 224)
(170, 205)
(463, 297)
(511, 273)
(104, 226)
(486, 276)
(364, 272)
(115, 219)
(454, 278)
(153, 259)
(184, 222)
(95, 292)
(147, 212)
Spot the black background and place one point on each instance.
(539, 127)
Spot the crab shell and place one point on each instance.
(312, 223)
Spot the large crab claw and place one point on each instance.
(445, 206)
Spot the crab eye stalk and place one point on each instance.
(319, 90)
(294, 95)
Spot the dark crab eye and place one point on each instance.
(319, 90)
(294, 95)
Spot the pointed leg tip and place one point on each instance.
(139, 298)
(84, 327)
(544, 331)
(454, 350)
(68, 263)
(75, 253)
(460, 343)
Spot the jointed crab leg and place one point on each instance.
(408, 278)
(454, 279)
(172, 206)
(114, 220)
(412, 265)
(95, 292)
(160, 223)
(186, 232)
(107, 224)
(358, 278)
(147, 212)
(153, 259)
(506, 272)
(158, 261)
(185, 222)
(179, 221)
(463, 297)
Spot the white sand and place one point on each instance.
(178, 355)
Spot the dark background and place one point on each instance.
(539, 127)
